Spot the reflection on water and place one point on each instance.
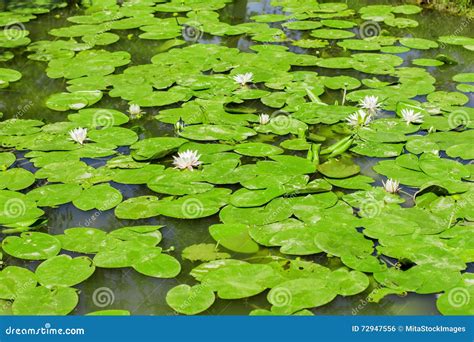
(142, 295)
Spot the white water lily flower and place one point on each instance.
(359, 118)
(392, 186)
(370, 103)
(135, 110)
(79, 135)
(264, 119)
(243, 79)
(187, 160)
(410, 116)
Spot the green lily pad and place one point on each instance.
(147, 235)
(16, 179)
(457, 300)
(109, 313)
(6, 159)
(41, 301)
(361, 45)
(102, 197)
(339, 168)
(55, 194)
(73, 101)
(14, 280)
(155, 147)
(418, 43)
(217, 132)
(190, 300)
(331, 34)
(427, 62)
(464, 77)
(203, 252)
(119, 254)
(234, 237)
(158, 265)
(138, 208)
(294, 295)
(98, 117)
(32, 246)
(258, 150)
(64, 271)
(240, 281)
(82, 240)
(7, 76)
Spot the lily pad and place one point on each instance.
(339, 168)
(203, 252)
(31, 246)
(102, 197)
(64, 271)
(43, 301)
(234, 237)
(190, 300)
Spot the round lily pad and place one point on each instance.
(332, 34)
(31, 246)
(203, 252)
(294, 295)
(234, 237)
(190, 300)
(82, 240)
(240, 281)
(62, 270)
(102, 197)
(339, 168)
(157, 265)
(55, 194)
(258, 149)
(43, 301)
(14, 280)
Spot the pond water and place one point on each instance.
(127, 289)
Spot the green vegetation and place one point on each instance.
(291, 161)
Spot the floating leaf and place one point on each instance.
(62, 270)
(190, 300)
